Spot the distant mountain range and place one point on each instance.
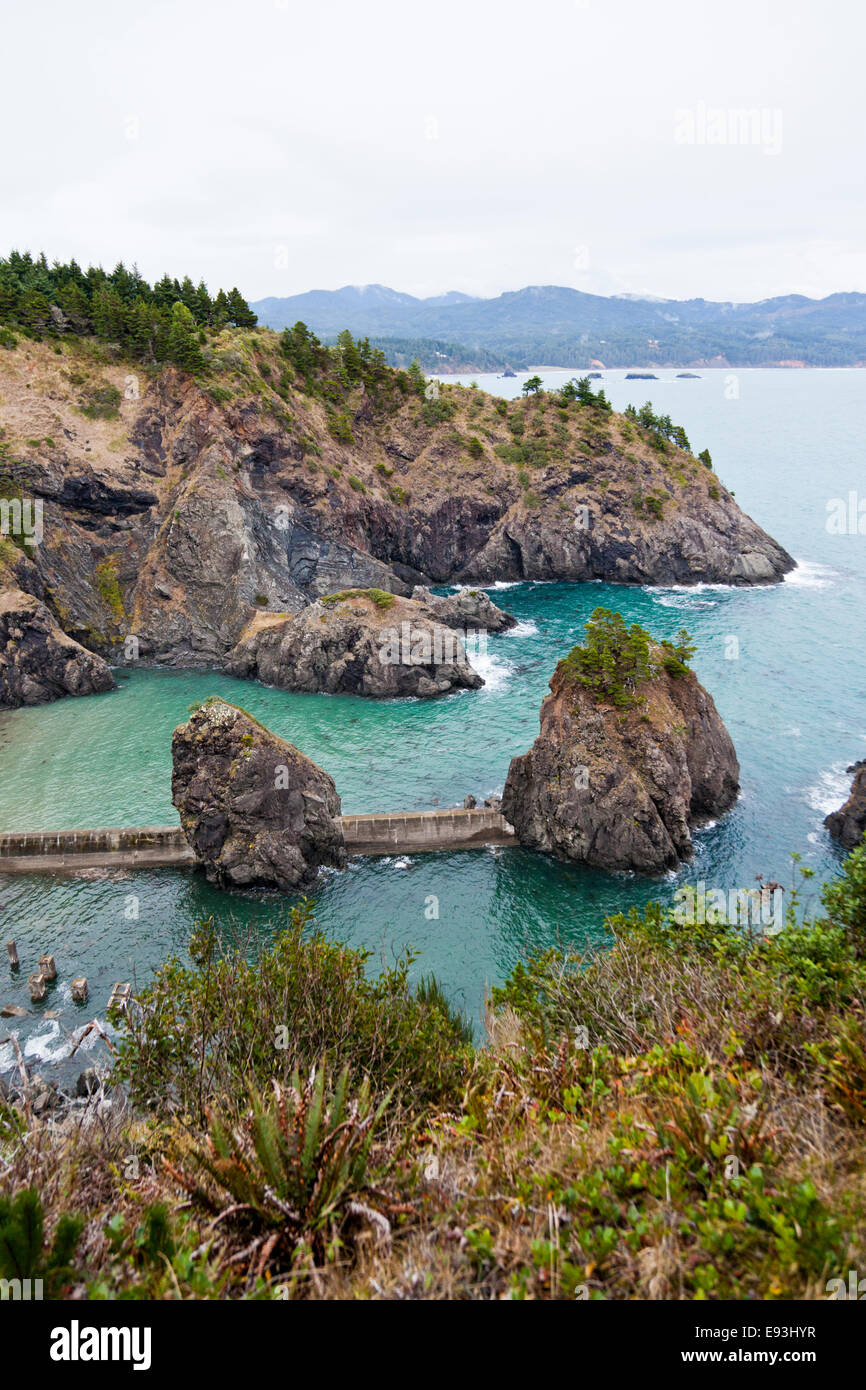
(555, 326)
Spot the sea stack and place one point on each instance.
(631, 755)
(255, 810)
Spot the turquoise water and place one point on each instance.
(793, 698)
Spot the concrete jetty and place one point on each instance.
(161, 846)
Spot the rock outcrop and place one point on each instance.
(255, 810)
(620, 788)
(848, 824)
(468, 609)
(38, 662)
(174, 521)
(363, 642)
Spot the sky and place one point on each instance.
(674, 148)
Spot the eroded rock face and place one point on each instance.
(255, 810)
(38, 662)
(211, 509)
(620, 789)
(467, 609)
(363, 643)
(848, 824)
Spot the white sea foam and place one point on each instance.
(699, 588)
(810, 574)
(704, 828)
(495, 672)
(49, 1045)
(830, 790)
(684, 600)
(525, 628)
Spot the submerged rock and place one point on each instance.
(255, 810)
(360, 642)
(620, 787)
(38, 662)
(848, 824)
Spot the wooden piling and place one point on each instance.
(12, 952)
(47, 967)
(79, 989)
(37, 987)
(120, 996)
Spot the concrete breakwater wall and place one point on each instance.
(406, 832)
(412, 832)
(142, 846)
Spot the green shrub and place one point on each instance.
(380, 597)
(100, 402)
(437, 409)
(108, 586)
(203, 1033)
(677, 655)
(23, 1254)
(340, 427)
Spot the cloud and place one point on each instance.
(285, 147)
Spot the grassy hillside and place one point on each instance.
(680, 1117)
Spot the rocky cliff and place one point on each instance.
(848, 824)
(38, 662)
(619, 787)
(175, 506)
(361, 642)
(255, 810)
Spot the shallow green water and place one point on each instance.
(794, 700)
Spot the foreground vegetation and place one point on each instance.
(681, 1116)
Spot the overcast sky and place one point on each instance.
(477, 145)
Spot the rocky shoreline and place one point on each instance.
(848, 824)
(168, 529)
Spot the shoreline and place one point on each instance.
(667, 367)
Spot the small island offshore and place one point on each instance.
(674, 1112)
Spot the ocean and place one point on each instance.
(785, 664)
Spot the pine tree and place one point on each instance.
(183, 348)
(240, 313)
(220, 312)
